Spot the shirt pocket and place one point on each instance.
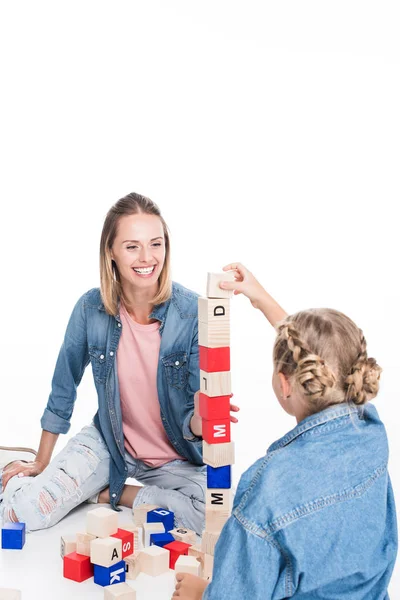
(98, 360)
(176, 369)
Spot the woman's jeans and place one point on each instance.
(81, 470)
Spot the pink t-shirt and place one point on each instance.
(137, 363)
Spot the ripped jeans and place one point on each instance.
(81, 470)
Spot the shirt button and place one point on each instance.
(119, 324)
(114, 495)
(101, 356)
(177, 362)
(111, 353)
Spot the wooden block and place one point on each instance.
(214, 312)
(217, 431)
(213, 360)
(209, 539)
(9, 594)
(184, 535)
(217, 407)
(149, 528)
(216, 519)
(140, 513)
(211, 336)
(215, 384)
(132, 566)
(77, 567)
(188, 564)
(208, 567)
(219, 499)
(213, 281)
(219, 455)
(102, 522)
(106, 551)
(154, 560)
(176, 549)
(198, 553)
(13, 536)
(137, 534)
(161, 539)
(83, 543)
(219, 477)
(161, 515)
(121, 591)
(127, 540)
(109, 575)
(67, 545)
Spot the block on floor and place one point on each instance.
(77, 567)
(67, 544)
(109, 575)
(106, 551)
(10, 594)
(154, 560)
(127, 539)
(181, 534)
(132, 566)
(140, 513)
(188, 564)
(102, 522)
(161, 515)
(149, 528)
(119, 591)
(13, 536)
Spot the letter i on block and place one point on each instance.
(214, 407)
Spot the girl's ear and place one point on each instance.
(285, 385)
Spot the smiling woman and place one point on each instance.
(139, 332)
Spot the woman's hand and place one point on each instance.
(245, 283)
(22, 469)
(196, 420)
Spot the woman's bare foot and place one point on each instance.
(189, 587)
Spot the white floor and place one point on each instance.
(37, 569)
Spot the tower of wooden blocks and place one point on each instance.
(214, 408)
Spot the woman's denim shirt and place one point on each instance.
(315, 517)
(92, 335)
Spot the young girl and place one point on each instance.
(315, 517)
(139, 332)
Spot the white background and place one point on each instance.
(267, 132)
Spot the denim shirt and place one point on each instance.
(92, 335)
(315, 517)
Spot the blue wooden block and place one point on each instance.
(13, 536)
(160, 539)
(109, 575)
(219, 477)
(161, 515)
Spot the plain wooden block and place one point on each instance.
(149, 528)
(154, 560)
(219, 455)
(216, 519)
(121, 591)
(184, 535)
(188, 564)
(198, 553)
(210, 337)
(83, 543)
(208, 567)
(137, 534)
(214, 311)
(140, 513)
(67, 545)
(208, 541)
(215, 384)
(106, 551)
(132, 566)
(102, 522)
(213, 281)
(10, 594)
(219, 499)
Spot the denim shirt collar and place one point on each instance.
(159, 312)
(320, 418)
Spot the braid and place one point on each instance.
(362, 382)
(311, 371)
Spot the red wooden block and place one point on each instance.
(77, 567)
(176, 549)
(215, 359)
(214, 408)
(217, 431)
(126, 538)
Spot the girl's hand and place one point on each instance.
(245, 283)
(22, 469)
(196, 421)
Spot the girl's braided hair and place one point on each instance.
(324, 354)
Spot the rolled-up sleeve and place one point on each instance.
(192, 387)
(72, 361)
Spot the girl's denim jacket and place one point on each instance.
(92, 335)
(315, 517)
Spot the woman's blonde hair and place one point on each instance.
(324, 354)
(110, 283)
